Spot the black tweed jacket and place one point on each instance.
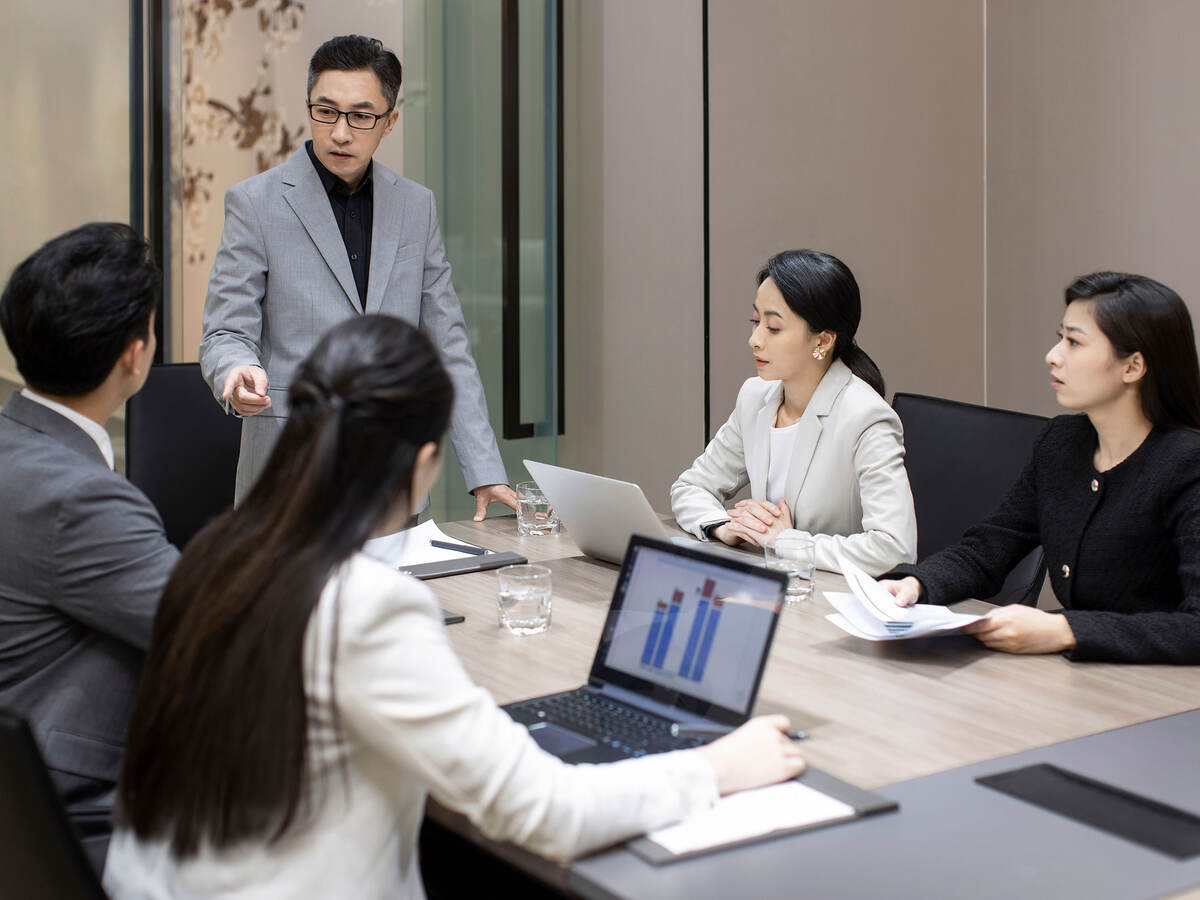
(1123, 546)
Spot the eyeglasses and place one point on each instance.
(327, 115)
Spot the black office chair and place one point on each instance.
(41, 857)
(181, 449)
(961, 460)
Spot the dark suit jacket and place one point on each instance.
(1123, 546)
(83, 562)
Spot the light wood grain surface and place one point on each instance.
(876, 713)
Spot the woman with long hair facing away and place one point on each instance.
(300, 700)
(1111, 494)
(812, 435)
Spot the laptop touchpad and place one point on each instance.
(558, 741)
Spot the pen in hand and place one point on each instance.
(704, 729)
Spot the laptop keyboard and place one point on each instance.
(626, 730)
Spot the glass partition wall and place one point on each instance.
(481, 129)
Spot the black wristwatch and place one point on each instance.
(707, 530)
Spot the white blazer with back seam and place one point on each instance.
(847, 487)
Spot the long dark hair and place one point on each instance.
(821, 290)
(1138, 314)
(217, 750)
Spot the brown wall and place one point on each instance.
(854, 127)
(634, 251)
(865, 128)
(1093, 163)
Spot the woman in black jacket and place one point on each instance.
(1112, 495)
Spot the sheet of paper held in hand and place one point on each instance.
(750, 814)
(412, 548)
(871, 613)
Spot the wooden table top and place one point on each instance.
(876, 713)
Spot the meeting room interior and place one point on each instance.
(605, 194)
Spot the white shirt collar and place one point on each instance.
(90, 428)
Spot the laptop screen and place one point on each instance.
(690, 629)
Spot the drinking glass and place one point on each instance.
(535, 515)
(792, 553)
(525, 599)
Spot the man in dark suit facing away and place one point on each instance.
(83, 555)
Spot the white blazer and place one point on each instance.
(412, 724)
(847, 487)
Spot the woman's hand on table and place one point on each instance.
(756, 522)
(1023, 629)
(757, 754)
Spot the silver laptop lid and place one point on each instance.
(600, 513)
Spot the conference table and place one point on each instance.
(915, 720)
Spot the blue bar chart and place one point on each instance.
(710, 631)
(660, 613)
(664, 642)
(695, 633)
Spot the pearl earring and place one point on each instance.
(818, 353)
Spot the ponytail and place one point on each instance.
(857, 361)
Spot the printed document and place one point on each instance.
(412, 547)
(870, 612)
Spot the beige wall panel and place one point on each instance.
(634, 240)
(854, 127)
(1093, 149)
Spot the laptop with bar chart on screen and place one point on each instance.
(685, 643)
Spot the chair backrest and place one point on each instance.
(961, 460)
(181, 449)
(40, 855)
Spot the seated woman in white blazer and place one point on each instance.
(822, 451)
(300, 700)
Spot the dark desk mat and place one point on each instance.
(1150, 823)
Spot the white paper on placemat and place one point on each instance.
(750, 814)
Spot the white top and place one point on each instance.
(412, 724)
(783, 441)
(93, 430)
(846, 482)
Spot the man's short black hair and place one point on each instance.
(353, 52)
(71, 309)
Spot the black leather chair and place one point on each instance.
(961, 460)
(181, 449)
(41, 857)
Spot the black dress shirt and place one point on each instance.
(1123, 546)
(354, 214)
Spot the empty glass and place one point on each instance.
(535, 515)
(525, 599)
(792, 553)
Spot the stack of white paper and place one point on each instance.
(871, 613)
(750, 814)
(412, 547)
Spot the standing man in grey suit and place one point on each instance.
(83, 556)
(325, 236)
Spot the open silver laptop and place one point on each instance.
(603, 513)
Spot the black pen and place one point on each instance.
(703, 729)
(461, 548)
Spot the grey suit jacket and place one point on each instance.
(281, 279)
(83, 562)
(847, 486)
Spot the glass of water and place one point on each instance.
(525, 599)
(535, 515)
(792, 553)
